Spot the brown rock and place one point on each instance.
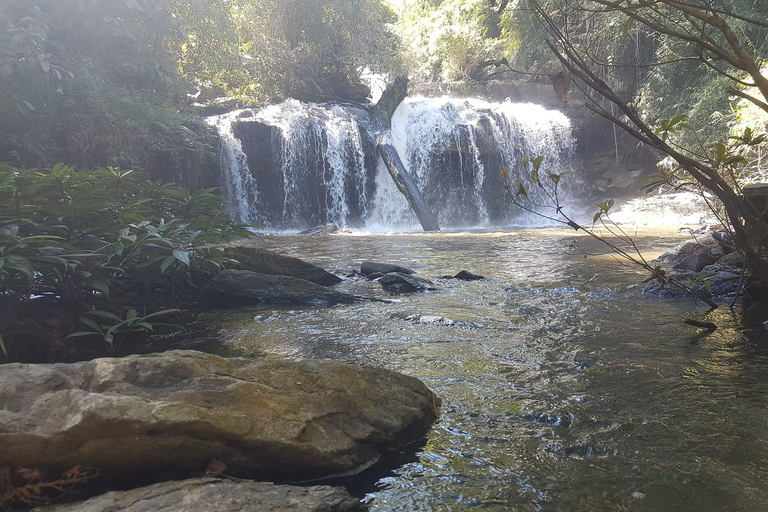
(267, 262)
(211, 494)
(168, 415)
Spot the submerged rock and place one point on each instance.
(369, 268)
(327, 229)
(268, 262)
(237, 287)
(161, 416)
(212, 494)
(404, 283)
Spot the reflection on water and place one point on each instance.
(564, 388)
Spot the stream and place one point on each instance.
(564, 387)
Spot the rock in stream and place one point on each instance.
(161, 416)
(214, 495)
(243, 287)
(267, 262)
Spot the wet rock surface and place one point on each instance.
(242, 287)
(211, 494)
(403, 283)
(695, 254)
(465, 275)
(369, 268)
(267, 262)
(162, 416)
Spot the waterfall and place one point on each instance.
(297, 165)
(456, 148)
(238, 184)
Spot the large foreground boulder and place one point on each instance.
(214, 495)
(268, 262)
(168, 415)
(238, 287)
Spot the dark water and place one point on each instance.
(564, 387)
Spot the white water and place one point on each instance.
(456, 148)
(453, 148)
(238, 184)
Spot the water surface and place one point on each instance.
(564, 387)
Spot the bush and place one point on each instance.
(97, 247)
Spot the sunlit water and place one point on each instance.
(564, 388)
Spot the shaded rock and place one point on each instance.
(695, 262)
(239, 287)
(211, 494)
(268, 262)
(404, 283)
(726, 241)
(706, 244)
(371, 267)
(733, 259)
(161, 416)
(467, 276)
(326, 229)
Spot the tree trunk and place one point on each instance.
(382, 115)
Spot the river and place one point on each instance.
(564, 387)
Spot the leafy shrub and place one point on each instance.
(101, 242)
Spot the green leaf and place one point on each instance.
(167, 262)
(181, 255)
(99, 283)
(90, 323)
(721, 151)
(521, 189)
(105, 314)
(82, 333)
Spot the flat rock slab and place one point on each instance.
(242, 287)
(168, 415)
(267, 262)
(214, 495)
(372, 268)
(404, 283)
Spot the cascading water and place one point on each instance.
(297, 165)
(456, 148)
(238, 184)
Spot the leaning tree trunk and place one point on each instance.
(382, 116)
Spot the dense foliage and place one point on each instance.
(445, 41)
(99, 253)
(108, 82)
